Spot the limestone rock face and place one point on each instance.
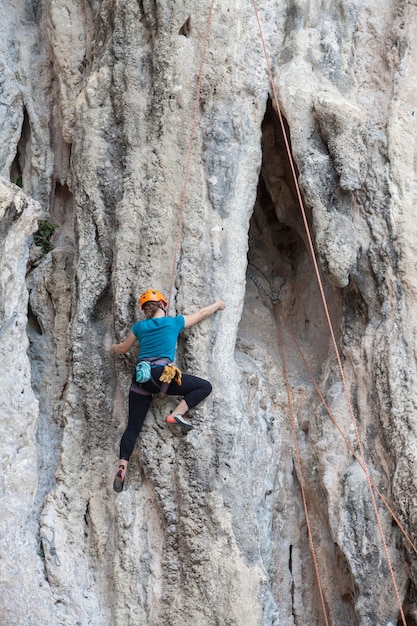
(292, 501)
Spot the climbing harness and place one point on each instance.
(143, 374)
(136, 388)
(143, 371)
(139, 391)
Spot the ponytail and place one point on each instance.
(150, 308)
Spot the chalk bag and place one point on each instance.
(143, 372)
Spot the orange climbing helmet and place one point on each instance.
(152, 295)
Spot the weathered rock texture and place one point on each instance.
(97, 101)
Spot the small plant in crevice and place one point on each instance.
(19, 181)
(42, 237)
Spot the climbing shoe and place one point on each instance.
(119, 479)
(178, 420)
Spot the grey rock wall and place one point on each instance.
(97, 102)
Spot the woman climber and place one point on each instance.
(155, 372)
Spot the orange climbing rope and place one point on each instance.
(323, 297)
(342, 433)
(277, 311)
(300, 471)
(190, 149)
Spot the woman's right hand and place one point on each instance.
(124, 346)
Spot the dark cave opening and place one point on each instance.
(20, 168)
(279, 260)
(280, 267)
(62, 213)
(16, 171)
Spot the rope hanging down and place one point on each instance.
(323, 297)
(300, 471)
(278, 311)
(275, 302)
(342, 433)
(362, 463)
(190, 149)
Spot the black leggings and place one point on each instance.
(193, 389)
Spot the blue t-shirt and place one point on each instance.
(158, 336)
